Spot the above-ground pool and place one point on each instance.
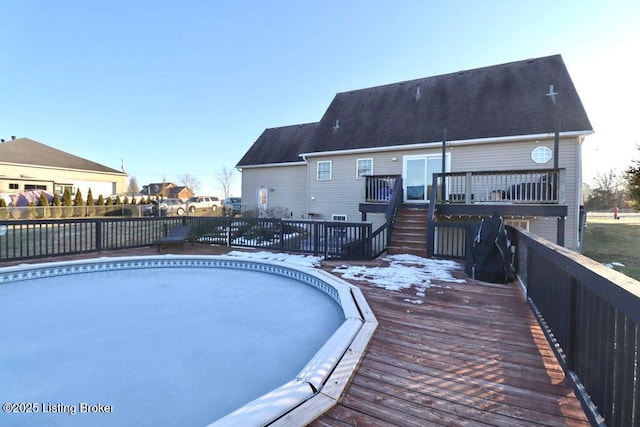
(174, 340)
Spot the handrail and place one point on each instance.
(394, 205)
(591, 315)
(537, 186)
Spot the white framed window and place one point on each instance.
(338, 217)
(324, 170)
(541, 154)
(364, 167)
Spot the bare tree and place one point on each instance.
(191, 182)
(607, 191)
(225, 178)
(133, 186)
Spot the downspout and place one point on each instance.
(307, 185)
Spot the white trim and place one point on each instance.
(318, 170)
(271, 165)
(357, 168)
(423, 145)
(65, 169)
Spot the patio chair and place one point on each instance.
(177, 236)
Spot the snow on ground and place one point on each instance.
(298, 260)
(403, 271)
(614, 264)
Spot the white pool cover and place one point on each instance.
(167, 340)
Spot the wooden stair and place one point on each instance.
(410, 232)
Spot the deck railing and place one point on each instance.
(592, 316)
(379, 188)
(27, 239)
(536, 186)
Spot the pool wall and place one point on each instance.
(319, 384)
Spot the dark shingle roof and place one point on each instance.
(28, 152)
(497, 101)
(279, 145)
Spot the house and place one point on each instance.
(26, 165)
(166, 190)
(508, 136)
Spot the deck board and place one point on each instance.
(471, 354)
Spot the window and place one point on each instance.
(541, 154)
(338, 217)
(28, 187)
(364, 167)
(324, 170)
(13, 186)
(59, 188)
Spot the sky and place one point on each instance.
(169, 89)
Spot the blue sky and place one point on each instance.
(177, 88)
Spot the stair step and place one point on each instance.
(410, 232)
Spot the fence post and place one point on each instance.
(570, 351)
(229, 232)
(98, 225)
(369, 245)
(316, 238)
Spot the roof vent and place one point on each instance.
(552, 94)
(13, 138)
(418, 92)
(337, 125)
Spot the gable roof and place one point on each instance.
(279, 145)
(25, 151)
(507, 100)
(498, 101)
(156, 187)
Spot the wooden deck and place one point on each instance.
(471, 354)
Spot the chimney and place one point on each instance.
(13, 138)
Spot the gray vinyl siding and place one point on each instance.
(343, 193)
(287, 184)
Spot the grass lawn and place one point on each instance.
(614, 241)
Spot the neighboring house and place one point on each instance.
(497, 119)
(166, 190)
(29, 165)
(179, 192)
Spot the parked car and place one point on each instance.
(203, 203)
(167, 207)
(232, 206)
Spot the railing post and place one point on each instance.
(316, 238)
(560, 231)
(98, 228)
(431, 215)
(570, 351)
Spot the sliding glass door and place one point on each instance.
(417, 176)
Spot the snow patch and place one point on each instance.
(403, 272)
(299, 260)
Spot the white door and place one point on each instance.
(262, 200)
(417, 175)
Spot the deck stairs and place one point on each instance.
(410, 232)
